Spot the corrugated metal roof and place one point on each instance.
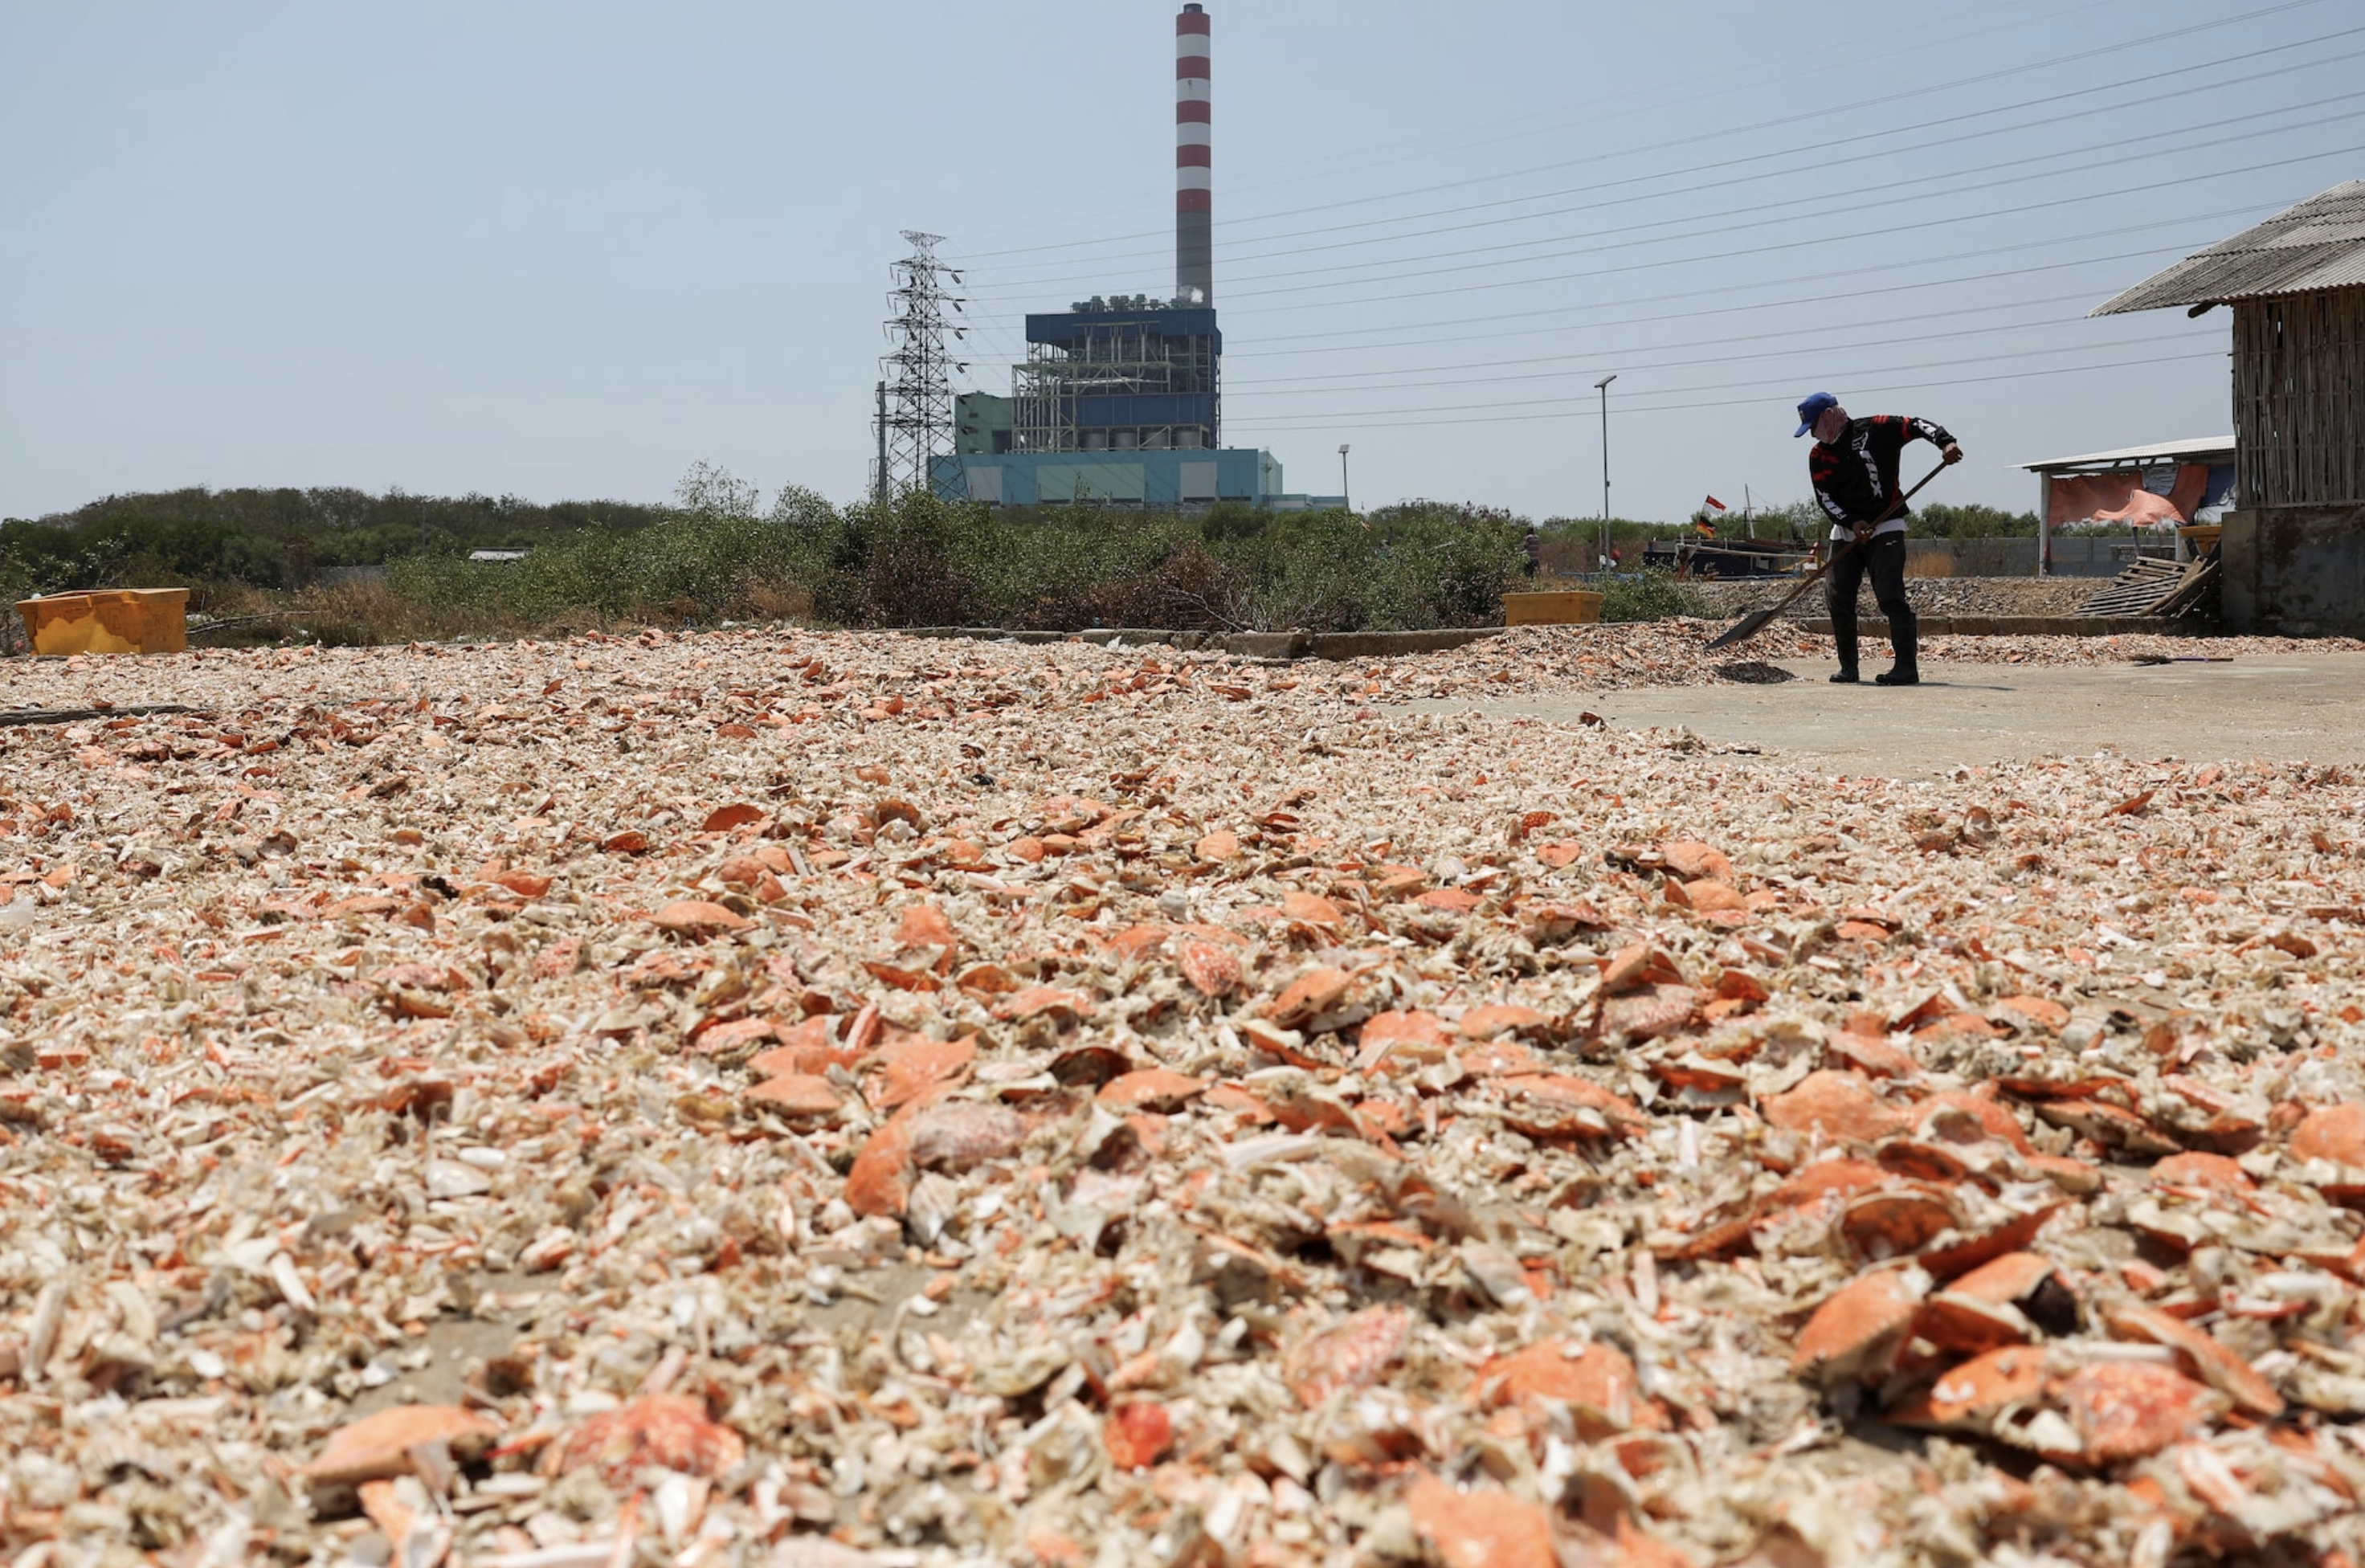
(2133, 456)
(2318, 244)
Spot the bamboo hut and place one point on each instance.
(2294, 542)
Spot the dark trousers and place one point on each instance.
(1884, 558)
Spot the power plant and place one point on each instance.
(1119, 401)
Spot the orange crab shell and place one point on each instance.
(1859, 1331)
(660, 1429)
(2128, 1409)
(1972, 1395)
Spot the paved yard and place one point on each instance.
(2284, 708)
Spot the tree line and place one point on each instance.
(276, 537)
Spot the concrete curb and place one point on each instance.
(1392, 645)
(2031, 626)
(1240, 645)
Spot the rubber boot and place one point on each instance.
(1845, 676)
(1908, 669)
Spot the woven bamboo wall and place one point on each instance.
(2299, 398)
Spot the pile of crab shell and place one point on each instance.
(835, 1100)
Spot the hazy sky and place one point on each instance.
(565, 251)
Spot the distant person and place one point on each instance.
(1533, 547)
(1854, 466)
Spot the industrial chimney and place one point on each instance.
(1194, 248)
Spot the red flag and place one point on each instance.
(1717, 504)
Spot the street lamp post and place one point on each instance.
(1602, 386)
(1343, 492)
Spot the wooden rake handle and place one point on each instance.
(1864, 533)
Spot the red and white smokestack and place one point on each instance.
(1195, 246)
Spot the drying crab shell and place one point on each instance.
(379, 1446)
(1976, 1395)
(2005, 1234)
(697, 918)
(1481, 1528)
(1556, 1105)
(1936, 1162)
(2124, 1410)
(1150, 1089)
(1826, 1178)
(2335, 1135)
(2331, 1133)
(1859, 1331)
(1697, 862)
(2215, 1365)
(1956, 1116)
(1595, 1381)
(1348, 1354)
(1637, 967)
(1896, 1222)
(2210, 1172)
(913, 1070)
(957, 1134)
(1496, 1018)
(1966, 1326)
(661, 1430)
(1649, 1014)
(1412, 1036)
(1309, 997)
(1137, 1434)
(1840, 1106)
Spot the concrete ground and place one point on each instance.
(2304, 708)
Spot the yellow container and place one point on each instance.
(111, 620)
(1575, 607)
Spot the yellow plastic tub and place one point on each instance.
(1576, 606)
(111, 620)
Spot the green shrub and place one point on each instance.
(915, 559)
(1648, 596)
(1973, 521)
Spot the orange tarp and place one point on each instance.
(2120, 497)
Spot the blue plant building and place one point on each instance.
(1119, 401)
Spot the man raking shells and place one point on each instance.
(1854, 466)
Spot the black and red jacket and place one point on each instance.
(1856, 477)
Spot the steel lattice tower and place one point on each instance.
(915, 408)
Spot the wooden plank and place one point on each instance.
(2150, 588)
(2189, 593)
(11, 717)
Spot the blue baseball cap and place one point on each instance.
(1813, 409)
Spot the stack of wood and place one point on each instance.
(2155, 587)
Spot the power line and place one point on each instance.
(1311, 424)
(1269, 389)
(2116, 49)
(1818, 240)
(1690, 298)
(1369, 154)
(2053, 118)
(1693, 312)
(1530, 315)
(1887, 196)
(1836, 376)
